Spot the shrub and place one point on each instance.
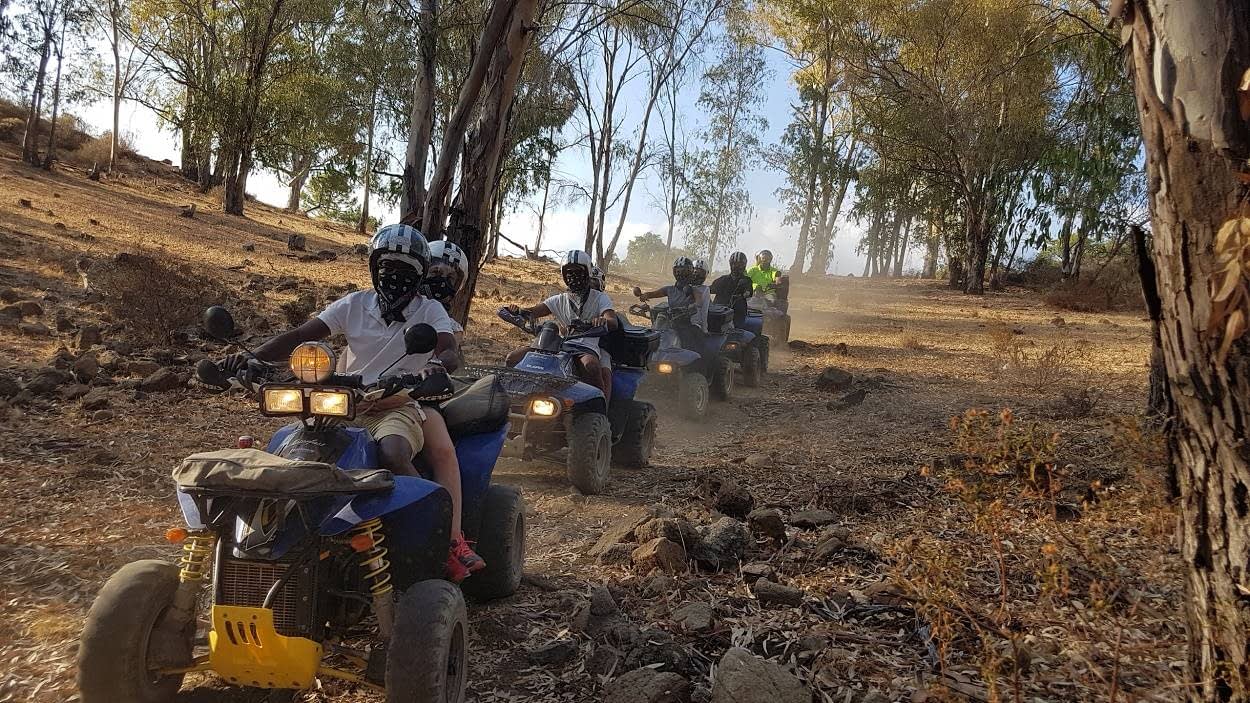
(11, 128)
(153, 295)
(95, 151)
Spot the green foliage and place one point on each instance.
(647, 253)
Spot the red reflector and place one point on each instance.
(246, 442)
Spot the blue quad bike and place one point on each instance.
(553, 410)
(773, 306)
(689, 363)
(306, 561)
(746, 346)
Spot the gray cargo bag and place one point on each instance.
(254, 472)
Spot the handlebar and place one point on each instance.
(431, 387)
(579, 329)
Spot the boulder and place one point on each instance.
(647, 685)
(758, 570)
(249, 246)
(95, 400)
(46, 381)
(296, 242)
(602, 603)
(659, 649)
(74, 391)
(604, 661)
(34, 329)
(677, 529)
(658, 585)
(554, 652)
(759, 460)
(327, 255)
(724, 543)
(360, 249)
(160, 381)
(828, 547)
(811, 519)
(30, 308)
(776, 594)
(834, 379)
(621, 530)
(142, 367)
(64, 323)
(726, 496)
(767, 523)
(10, 316)
(8, 295)
(9, 385)
(660, 553)
(102, 416)
(742, 677)
(695, 617)
(109, 360)
(86, 367)
(616, 554)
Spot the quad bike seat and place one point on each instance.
(479, 407)
(253, 472)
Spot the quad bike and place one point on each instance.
(306, 561)
(553, 410)
(774, 307)
(746, 346)
(688, 362)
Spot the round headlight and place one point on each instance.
(312, 362)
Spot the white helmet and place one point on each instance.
(453, 255)
(576, 271)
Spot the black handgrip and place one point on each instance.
(210, 374)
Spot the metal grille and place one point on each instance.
(522, 383)
(245, 583)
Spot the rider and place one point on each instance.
(763, 275)
(682, 293)
(581, 305)
(598, 279)
(373, 321)
(734, 288)
(703, 298)
(449, 269)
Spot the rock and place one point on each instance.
(841, 532)
(8, 295)
(873, 696)
(142, 367)
(768, 523)
(160, 381)
(299, 310)
(658, 585)
(102, 416)
(616, 554)
(657, 647)
(776, 594)
(46, 381)
(95, 400)
(841, 349)
(726, 496)
(828, 547)
(834, 379)
(886, 593)
(602, 603)
(759, 460)
(120, 346)
(360, 249)
(742, 677)
(604, 661)
(810, 519)
(677, 529)
(1059, 322)
(724, 543)
(187, 210)
(648, 686)
(64, 324)
(9, 385)
(25, 202)
(86, 367)
(249, 246)
(75, 391)
(327, 255)
(695, 617)
(554, 652)
(34, 329)
(848, 400)
(62, 359)
(660, 553)
(296, 242)
(109, 360)
(619, 531)
(10, 316)
(758, 570)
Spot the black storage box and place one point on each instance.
(720, 319)
(631, 346)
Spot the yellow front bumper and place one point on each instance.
(246, 649)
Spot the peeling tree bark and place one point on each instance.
(1186, 59)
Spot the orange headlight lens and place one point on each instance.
(312, 362)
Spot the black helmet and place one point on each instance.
(737, 262)
(683, 269)
(764, 258)
(700, 273)
(576, 271)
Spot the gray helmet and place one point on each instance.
(576, 271)
(737, 262)
(683, 269)
(699, 275)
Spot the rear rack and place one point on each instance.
(519, 382)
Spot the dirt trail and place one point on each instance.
(86, 493)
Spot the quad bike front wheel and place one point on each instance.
(723, 380)
(752, 366)
(501, 543)
(590, 452)
(124, 635)
(427, 661)
(692, 396)
(638, 440)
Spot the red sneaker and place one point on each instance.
(463, 553)
(456, 572)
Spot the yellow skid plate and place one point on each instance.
(245, 649)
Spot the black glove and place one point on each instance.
(234, 362)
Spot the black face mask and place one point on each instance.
(440, 288)
(577, 278)
(397, 284)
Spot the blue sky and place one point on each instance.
(565, 225)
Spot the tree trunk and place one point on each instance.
(809, 205)
(30, 142)
(542, 214)
(485, 147)
(421, 119)
(1187, 60)
(50, 156)
(824, 243)
(434, 213)
(977, 251)
(901, 253)
(114, 18)
(362, 223)
(1065, 234)
(931, 252)
(301, 166)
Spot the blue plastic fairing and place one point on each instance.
(677, 356)
(625, 382)
(359, 450)
(407, 490)
(541, 363)
(477, 455)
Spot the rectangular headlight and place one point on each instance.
(331, 403)
(283, 401)
(544, 407)
(664, 367)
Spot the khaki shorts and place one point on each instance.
(404, 421)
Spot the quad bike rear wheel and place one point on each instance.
(638, 439)
(121, 638)
(723, 380)
(501, 543)
(427, 661)
(692, 395)
(752, 366)
(590, 452)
